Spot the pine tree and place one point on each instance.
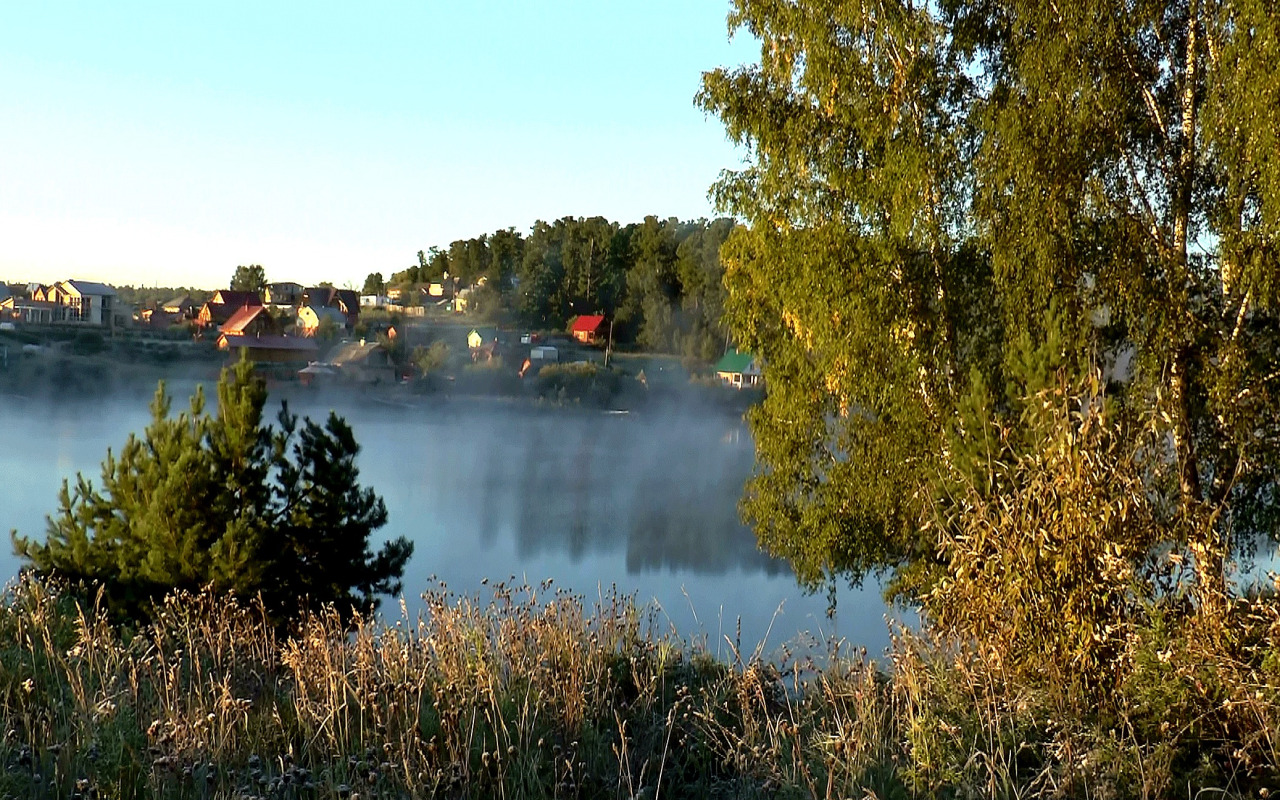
(228, 502)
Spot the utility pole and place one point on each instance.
(608, 348)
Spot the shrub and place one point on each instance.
(583, 382)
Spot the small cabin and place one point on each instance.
(588, 328)
(739, 370)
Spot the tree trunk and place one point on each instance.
(1202, 539)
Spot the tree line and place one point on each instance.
(659, 281)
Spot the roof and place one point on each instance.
(230, 298)
(268, 342)
(177, 302)
(486, 334)
(587, 323)
(89, 287)
(733, 361)
(325, 312)
(318, 295)
(241, 319)
(219, 312)
(348, 297)
(353, 353)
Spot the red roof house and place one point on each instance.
(588, 328)
(224, 304)
(251, 320)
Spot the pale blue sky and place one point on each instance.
(165, 143)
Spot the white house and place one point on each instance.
(88, 302)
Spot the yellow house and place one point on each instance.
(310, 317)
(478, 337)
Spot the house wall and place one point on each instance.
(267, 355)
(740, 380)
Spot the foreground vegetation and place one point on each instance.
(535, 693)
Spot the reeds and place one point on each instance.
(534, 692)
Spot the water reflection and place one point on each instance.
(643, 502)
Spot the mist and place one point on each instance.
(644, 502)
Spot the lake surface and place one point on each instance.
(644, 502)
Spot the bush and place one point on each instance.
(431, 359)
(88, 343)
(583, 382)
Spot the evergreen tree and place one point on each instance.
(226, 501)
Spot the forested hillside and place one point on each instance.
(659, 281)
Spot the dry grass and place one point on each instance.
(536, 693)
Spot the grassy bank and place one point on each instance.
(536, 693)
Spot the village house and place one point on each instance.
(462, 300)
(251, 321)
(269, 349)
(70, 302)
(348, 302)
(35, 312)
(91, 303)
(157, 318)
(588, 329)
(223, 305)
(739, 370)
(539, 357)
(182, 306)
(478, 337)
(172, 312)
(282, 294)
(310, 319)
(345, 300)
(363, 362)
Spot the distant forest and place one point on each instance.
(658, 281)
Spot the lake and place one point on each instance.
(644, 502)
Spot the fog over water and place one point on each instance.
(644, 501)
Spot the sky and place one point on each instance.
(162, 143)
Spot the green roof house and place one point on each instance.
(739, 370)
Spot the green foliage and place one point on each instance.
(579, 383)
(433, 358)
(1051, 553)
(936, 192)
(327, 329)
(660, 280)
(224, 500)
(252, 278)
(373, 284)
(88, 343)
